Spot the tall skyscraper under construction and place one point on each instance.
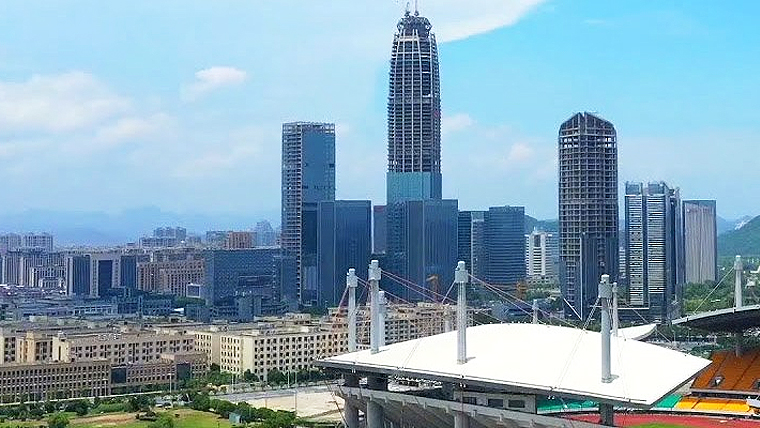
(421, 238)
(414, 113)
(588, 209)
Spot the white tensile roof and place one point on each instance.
(535, 358)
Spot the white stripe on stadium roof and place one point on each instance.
(535, 359)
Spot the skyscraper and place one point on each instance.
(700, 240)
(308, 177)
(414, 113)
(588, 209)
(654, 250)
(471, 241)
(505, 245)
(379, 228)
(421, 238)
(344, 241)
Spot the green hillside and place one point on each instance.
(744, 241)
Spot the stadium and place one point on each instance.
(545, 375)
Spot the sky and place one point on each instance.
(178, 104)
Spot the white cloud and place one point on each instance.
(57, 103)
(131, 127)
(456, 19)
(519, 152)
(455, 123)
(210, 79)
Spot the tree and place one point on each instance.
(164, 421)
(276, 377)
(139, 403)
(248, 376)
(58, 420)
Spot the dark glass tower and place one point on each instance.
(308, 178)
(588, 209)
(414, 113)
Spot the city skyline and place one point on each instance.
(128, 127)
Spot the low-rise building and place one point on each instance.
(54, 380)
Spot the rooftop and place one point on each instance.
(535, 358)
(731, 320)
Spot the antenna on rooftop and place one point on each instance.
(416, 8)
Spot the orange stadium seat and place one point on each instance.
(705, 378)
(734, 369)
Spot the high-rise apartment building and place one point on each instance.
(654, 250)
(541, 257)
(344, 241)
(237, 240)
(414, 113)
(700, 240)
(588, 209)
(504, 229)
(308, 177)
(42, 241)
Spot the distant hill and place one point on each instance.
(545, 225)
(725, 225)
(744, 241)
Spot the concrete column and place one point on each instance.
(351, 282)
(615, 315)
(605, 294)
(351, 411)
(738, 267)
(375, 413)
(383, 302)
(374, 284)
(607, 414)
(461, 420)
(460, 277)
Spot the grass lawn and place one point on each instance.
(187, 419)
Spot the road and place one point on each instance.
(237, 397)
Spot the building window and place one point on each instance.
(497, 403)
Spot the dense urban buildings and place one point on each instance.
(588, 208)
(344, 241)
(654, 250)
(541, 258)
(308, 177)
(700, 240)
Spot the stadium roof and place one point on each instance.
(637, 332)
(731, 320)
(534, 358)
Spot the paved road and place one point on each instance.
(245, 396)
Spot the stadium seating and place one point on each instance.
(705, 378)
(686, 403)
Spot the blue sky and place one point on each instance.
(110, 105)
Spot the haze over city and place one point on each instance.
(111, 106)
